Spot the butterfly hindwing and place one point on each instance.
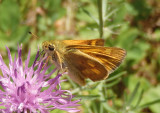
(85, 66)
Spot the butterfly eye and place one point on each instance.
(51, 48)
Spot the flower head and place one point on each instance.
(22, 87)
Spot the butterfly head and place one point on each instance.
(48, 47)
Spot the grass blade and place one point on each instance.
(133, 94)
(149, 104)
(116, 76)
(89, 14)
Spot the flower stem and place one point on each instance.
(100, 9)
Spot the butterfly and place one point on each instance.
(84, 59)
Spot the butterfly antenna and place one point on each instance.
(35, 36)
(41, 52)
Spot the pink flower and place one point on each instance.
(22, 87)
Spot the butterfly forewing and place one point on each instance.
(94, 42)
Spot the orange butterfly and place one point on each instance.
(84, 58)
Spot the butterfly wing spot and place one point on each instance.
(96, 71)
(93, 43)
(91, 63)
(85, 71)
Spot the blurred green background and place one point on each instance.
(130, 24)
